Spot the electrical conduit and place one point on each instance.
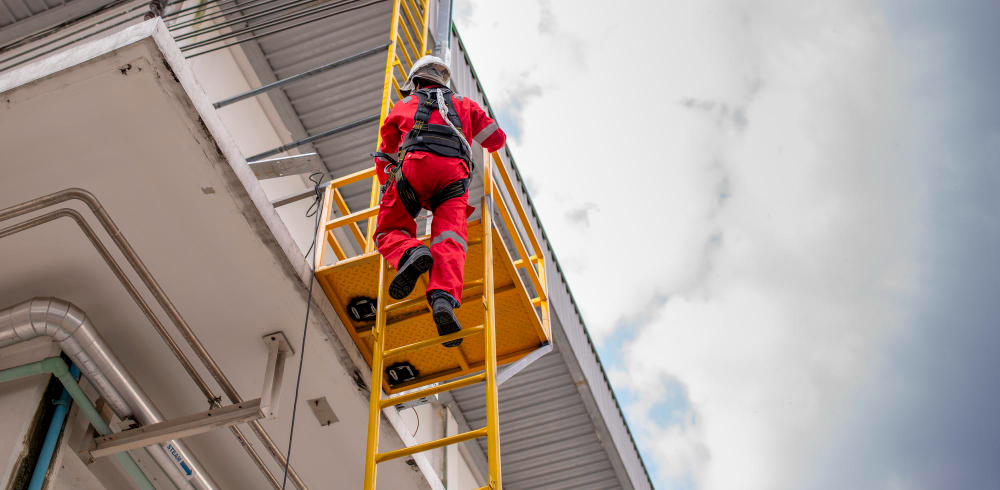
(69, 327)
(52, 435)
(71, 389)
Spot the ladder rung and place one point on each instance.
(441, 388)
(351, 218)
(433, 341)
(406, 303)
(427, 446)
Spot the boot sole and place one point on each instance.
(446, 324)
(406, 278)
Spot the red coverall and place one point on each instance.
(427, 173)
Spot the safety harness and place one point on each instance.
(440, 139)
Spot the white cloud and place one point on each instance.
(741, 161)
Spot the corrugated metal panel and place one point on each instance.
(548, 439)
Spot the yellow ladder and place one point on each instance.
(488, 330)
(523, 326)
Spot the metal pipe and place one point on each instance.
(147, 311)
(310, 139)
(300, 76)
(58, 367)
(275, 31)
(52, 435)
(272, 22)
(220, 13)
(187, 10)
(39, 55)
(147, 278)
(42, 34)
(243, 18)
(69, 327)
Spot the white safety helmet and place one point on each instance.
(429, 68)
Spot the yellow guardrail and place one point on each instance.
(531, 261)
(408, 41)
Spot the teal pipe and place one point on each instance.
(52, 435)
(58, 367)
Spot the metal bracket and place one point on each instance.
(419, 401)
(291, 165)
(278, 349)
(178, 428)
(523, 362)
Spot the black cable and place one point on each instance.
(258, 36)
(317, 179)
(418, 422)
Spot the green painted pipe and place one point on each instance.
(60, 369)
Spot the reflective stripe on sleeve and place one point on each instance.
(486, 133)
(454, 236)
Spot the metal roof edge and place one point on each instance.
(555, 258)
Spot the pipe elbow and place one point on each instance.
(56, 366)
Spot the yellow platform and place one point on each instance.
(519, 328)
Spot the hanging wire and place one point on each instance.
(221, 13)
(188, 10)
(56, 28)
(285, 28)
(57, 48)
(245, 18)
(314, 210)
(269, 23)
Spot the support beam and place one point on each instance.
(177, 429)
(522, 363)
(330, 132)
(272, 168)
(278, 349)
(300, 76)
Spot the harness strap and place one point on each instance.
(455, 189)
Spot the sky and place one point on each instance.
(779, 220)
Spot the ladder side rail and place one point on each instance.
(375, 402)
(426, 4)
(489, 322)
(387, 82)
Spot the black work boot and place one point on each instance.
(443, 307)
(415, 262)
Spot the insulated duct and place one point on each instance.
(70, 328)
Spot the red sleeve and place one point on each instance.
(390, 142)
(484, 129)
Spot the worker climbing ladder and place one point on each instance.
(509, 325)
